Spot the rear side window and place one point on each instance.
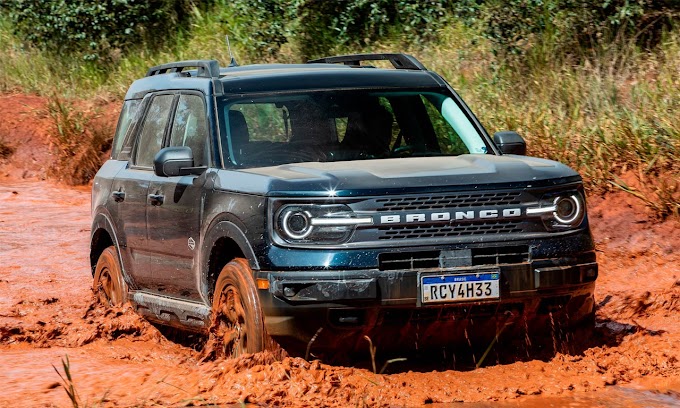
(127, 115)
(190, 127)
(153, 130)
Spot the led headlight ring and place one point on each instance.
(297, 224)
(567, 209)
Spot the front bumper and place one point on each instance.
(385, 304)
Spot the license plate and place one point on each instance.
(460, 287)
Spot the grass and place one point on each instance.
(609, 113)
(373, 350)
(78, 142)
(67, 382)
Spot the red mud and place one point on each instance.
(117, 359)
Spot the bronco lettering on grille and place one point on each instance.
(471, 215)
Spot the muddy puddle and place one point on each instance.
(117, 359)
(613, 397)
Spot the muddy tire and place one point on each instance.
(108, 284)
(237, 320)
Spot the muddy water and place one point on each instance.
(117, 359)
(614, 397)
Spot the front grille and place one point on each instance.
(516, 254)
(439, 201)
(444, 231)
(392, 261)
(500, 255)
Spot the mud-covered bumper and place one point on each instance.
(371, 301)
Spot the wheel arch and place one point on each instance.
(223, 242)
(102, 236)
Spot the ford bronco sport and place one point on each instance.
(323, 202)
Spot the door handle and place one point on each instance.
(118, 196)
(156, 199)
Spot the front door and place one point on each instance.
(174, 215)
(131, 189)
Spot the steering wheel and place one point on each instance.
(402, 150)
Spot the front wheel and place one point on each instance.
(237, 322)
(108, 284)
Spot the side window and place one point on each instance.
(127, 114)
(191, 127)
(153, 130)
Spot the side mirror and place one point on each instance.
(510, 142)
(173, 161)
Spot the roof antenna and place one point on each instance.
(233, 62)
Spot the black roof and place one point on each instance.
(263, 78)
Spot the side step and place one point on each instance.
(170, 311)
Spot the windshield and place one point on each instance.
(345, 125)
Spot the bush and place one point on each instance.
(327, 25)
(517, 25)
(96, 30)
(319, 28)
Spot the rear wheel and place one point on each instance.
(108, 284)
(237, 322)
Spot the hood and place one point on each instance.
(397, 176)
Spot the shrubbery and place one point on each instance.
(96, 29)
(319, 27)
(568, 25)
(104, 29)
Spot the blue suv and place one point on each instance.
(323, 202)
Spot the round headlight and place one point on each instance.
(297, 224)
(568, 210)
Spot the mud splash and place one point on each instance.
(76, 329)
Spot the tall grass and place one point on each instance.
(611, 115)
(78, 141)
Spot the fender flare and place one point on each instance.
(223, 227)
(102, 221)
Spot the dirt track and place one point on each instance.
(117, 359)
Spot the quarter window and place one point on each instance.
(153, 130)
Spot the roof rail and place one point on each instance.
(398, 60)
(206, 68)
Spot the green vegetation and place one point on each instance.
(95, 30)
(592, 83)
(67, 382)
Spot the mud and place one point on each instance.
(118, 359)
